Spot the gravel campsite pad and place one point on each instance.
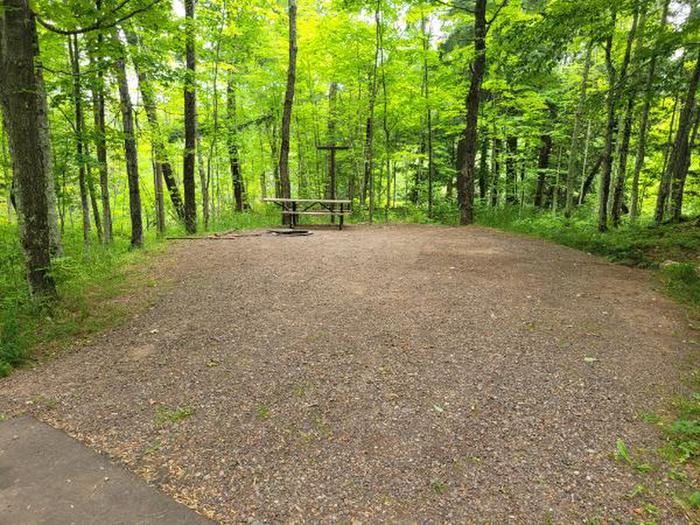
(399, 373)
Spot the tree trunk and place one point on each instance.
(665, 182)
(573, 154)
(555, 187)
(74, 56)
(368, 180)
(45, 137)
(232, 144)
(619, 190)
(611, 129)
(644, 124)
(483, 167)
(285, 185)
(158, 190)
(621, 179)
(615, 86)
(190, 122)
(130, 151)
(588, 181)
(428, 112)
(204, 184)
(542, 168)
(331, 138)
(93, 199)
(21, 93)
(157, 143)
(495, 171)
(98, 109)
(467, 173)
(682, 146)
(7, 176)
(511, 175)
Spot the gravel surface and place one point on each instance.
(399, 373)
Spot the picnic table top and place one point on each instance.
(329, 201)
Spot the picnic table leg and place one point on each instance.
(340, 219)
(293, 216)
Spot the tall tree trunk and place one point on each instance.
(616, 85)
(573, 154)
(586, 149)
(610, 133)
(190, 123)
(460, 153)
(483, 167)
(428, 110)
(644, 124)
(74, 56)
(368, 181)
(157, 143)
(330, 179)
(495, 171)
(215, 118)
(621, 179)
(680, 158)
(158, 190)
(21, 93)
(93, 198)
(468, 171)
(232, 144)
(511, 175)
(7, 176)
(285, 185)
(204, 184)
(665, 182)
(542, 169)
(367, 163)
(45, 137)
(619, 189)
(98, 110)
(385, 127)
(130, 150)
(555, 188)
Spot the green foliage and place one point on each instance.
(165, 415)
(683, 284)
(13, 344)
(684, 430)
(438, 486)
(86, 278)
(263, 412)
(643, 245)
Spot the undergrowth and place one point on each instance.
(97, 287)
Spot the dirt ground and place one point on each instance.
(386, 374)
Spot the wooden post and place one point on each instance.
(331, 169)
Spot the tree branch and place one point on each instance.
(103, 23)
(498, 10)
(454, 6)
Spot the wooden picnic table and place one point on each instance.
(293, 208)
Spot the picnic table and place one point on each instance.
(293, 208)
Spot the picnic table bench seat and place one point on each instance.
(293, 208)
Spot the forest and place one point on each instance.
(443, 358)
(128, 119)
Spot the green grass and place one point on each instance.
(683, 284)
(86, 279)
(165, 415)
(644, 244)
